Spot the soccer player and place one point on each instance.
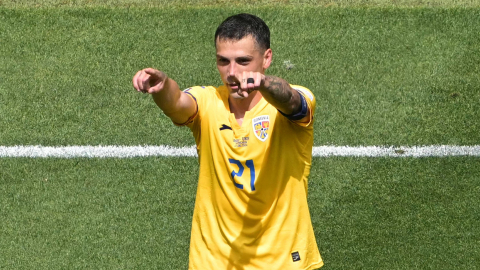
(254, 138)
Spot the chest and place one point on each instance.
(251, 135)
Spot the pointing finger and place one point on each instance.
(135, 80)
(143, 81)
(153, 72)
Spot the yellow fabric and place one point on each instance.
(251, 209)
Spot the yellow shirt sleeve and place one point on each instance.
(311, 102)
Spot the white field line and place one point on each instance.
(111, 151)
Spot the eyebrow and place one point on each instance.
(247, 57)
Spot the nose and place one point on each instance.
(231, 69)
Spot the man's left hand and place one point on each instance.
(249, 81)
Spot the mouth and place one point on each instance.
(233, 86)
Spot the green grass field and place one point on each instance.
(383, 72)
(240, 3)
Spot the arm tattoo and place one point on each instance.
(278, 89)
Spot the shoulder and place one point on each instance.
(207, 94)
(199, 90)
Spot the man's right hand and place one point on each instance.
(166, 94)
(149, 80)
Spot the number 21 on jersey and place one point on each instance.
(241, 169)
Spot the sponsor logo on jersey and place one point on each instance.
(242, 142)
(261, 125)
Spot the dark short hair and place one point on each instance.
(238, 26)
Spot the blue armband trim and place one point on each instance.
(186, 92)
(302, 113)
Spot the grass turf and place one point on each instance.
(96, 214)
(381, 213)
(239, 3)
(381, 76)
(369, 213)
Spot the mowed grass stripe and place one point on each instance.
(112, 151)
(381, 76)
(239, 3)
(368, 213)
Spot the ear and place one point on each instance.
(267, 58)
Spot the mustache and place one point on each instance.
(232, 80)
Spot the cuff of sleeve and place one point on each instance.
(190, 120)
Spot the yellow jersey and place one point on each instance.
(251, 210)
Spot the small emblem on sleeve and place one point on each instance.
(261, 125)
(295, 256)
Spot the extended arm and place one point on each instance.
(166, 94)
(278, 92)
(275, 90)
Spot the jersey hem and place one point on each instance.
(315, 266)
(311, 267)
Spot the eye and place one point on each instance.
(222, 61)
(243, 61)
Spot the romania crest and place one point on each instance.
(260, 127)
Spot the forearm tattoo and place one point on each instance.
(278, 89)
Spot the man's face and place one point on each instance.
(237, 56)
